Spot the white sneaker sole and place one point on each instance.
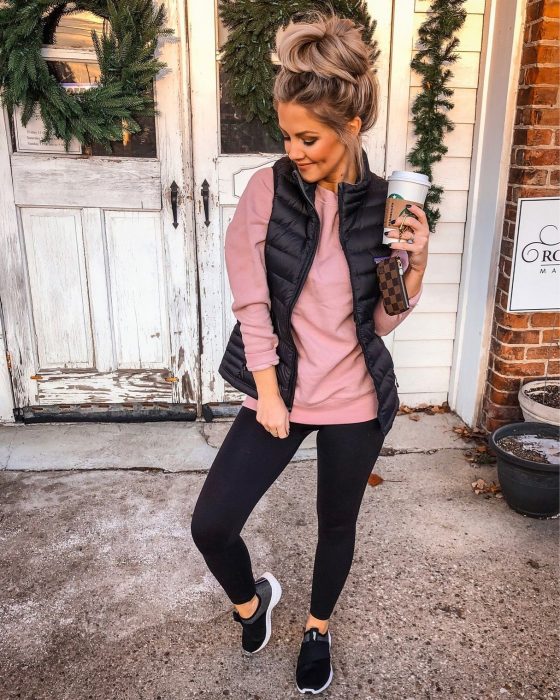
(275, 597)
(329, 679)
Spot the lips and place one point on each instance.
(303, 165)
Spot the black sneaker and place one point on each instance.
(314, 670)
(257, 628)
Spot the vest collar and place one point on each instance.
(359, 187)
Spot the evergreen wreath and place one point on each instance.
(246, 53)
(437, 43)
(125, 53)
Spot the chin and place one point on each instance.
(308, 176)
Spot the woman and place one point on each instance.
(325, 96)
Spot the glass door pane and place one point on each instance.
(236, 134)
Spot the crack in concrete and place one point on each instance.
(7, 462)
(392, 451)
(203, 434)
(109, 470)
(385, 452)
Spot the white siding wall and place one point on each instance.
(422, 346)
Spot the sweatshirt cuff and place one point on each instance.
(261, 360)
(416, 298)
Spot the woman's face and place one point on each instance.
(314, 147)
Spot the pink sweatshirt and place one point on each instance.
(333, 384)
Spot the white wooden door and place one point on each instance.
(97, 281)
(226, 151)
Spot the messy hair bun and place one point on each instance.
(327, 67)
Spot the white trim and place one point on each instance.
(399, 86)
(495, 118)
(55, 53)
(175, 155)
(203, 111)
(16, 306)
(6, 396)
(375, 141)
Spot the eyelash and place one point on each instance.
(306, 143)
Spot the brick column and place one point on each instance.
(524, 346)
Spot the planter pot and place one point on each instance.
(535, 411)
(530, 488)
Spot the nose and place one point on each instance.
(295, 153)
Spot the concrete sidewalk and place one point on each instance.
(104, 595)
(174, 446)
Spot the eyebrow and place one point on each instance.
(301, 133)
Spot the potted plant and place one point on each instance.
(539, 400)
(528, 458)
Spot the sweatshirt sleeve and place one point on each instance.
(385, 323)
(244, 256)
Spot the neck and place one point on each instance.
(343, 172)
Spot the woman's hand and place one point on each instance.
(273, 415)
(416, 228)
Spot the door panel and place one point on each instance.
(78, 182)
(138, 300)
(58, 285)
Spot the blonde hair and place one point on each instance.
(328, 68)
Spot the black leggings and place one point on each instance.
(248, 462)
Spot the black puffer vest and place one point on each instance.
(290, 246)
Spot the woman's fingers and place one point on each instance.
(283, 430)
(419, 212)
(273, 415)
(409, 221)
(279, 431)
(412, 212)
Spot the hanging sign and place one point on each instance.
(535, 267)
(28, 137)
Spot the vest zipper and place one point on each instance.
(340, 219)
(291, 389)
(355, 310)
(292, 385)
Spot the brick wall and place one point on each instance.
(524, 346)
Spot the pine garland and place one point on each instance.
(437, 44)
(125, 52)
(246, 53)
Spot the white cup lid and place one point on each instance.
(410, 176)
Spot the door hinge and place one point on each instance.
(171, 379)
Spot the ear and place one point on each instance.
(355, 125)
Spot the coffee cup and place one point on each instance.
(405, 188)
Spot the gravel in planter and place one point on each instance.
(536, 448)
(548, 395)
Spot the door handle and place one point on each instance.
(174, 198)
(205, 192)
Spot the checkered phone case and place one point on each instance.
(392, 286)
